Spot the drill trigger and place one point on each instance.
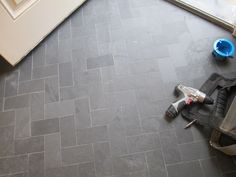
(189, 101)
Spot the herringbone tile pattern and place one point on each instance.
(89, 100)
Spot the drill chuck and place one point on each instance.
(171, 112)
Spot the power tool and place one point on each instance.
(189, 95)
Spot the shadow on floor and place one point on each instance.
(4, 66)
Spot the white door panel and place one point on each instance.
(31, 22)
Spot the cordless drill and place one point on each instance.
(189, 96)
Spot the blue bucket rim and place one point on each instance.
(231, 53)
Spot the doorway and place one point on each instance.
(220, 12)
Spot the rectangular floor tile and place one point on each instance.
(147, 50)
(77, 19)
(65, 74)
(196, 150)
(92, 135)
(52, 54)
(86, 169)
(11, 84)
(51, 90)
(184, 136)
(13, 164)
(68, 132)
(98, 101)
(131, 120)
(7, 118)
(67, 171)
(139, 174)
(82, 112)
(77, 154)
(26, 69)
(103, 116)
(29, 145)
(117, 135)
(45, 71)
(185, 169)
(90, 76)
(17, 102)
(148, 108)
(144, 67)
(24, 174)
(170, 147)
(210, 167)
(103, 161)
(143, 142)
(64, 31)
(156, 163)
(1, 104)
(43, 127)
(2, 85)
(22, 129)
(129, 163)
(7, 141)
(124, 98)
(102, 33)
(68, 93)
(155, 124)
(100, 61)
(31, 86)
(39, 55)
(73, 92)
(37, 106)
(36, 165)
(78, 32)
(167, 76)
(59, 109)
(52, 151)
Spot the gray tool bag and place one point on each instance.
(227, 127)
(220, 117)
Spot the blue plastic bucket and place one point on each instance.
(223, 49)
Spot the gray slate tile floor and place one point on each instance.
(89, 100)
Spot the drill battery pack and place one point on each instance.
(219, 118)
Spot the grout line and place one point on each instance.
(17, 173)
(163, 155)
(200, 164)
(145, 156)
(32, 57)
(44, 155)
(90, 111)
(76, 164)
(184, 162)
(18, 81)
(28, 163)
(138, 111)
(110, 156)
(95, 170)
(75, 129)
(30, 118)
(58, 81)
(14, 131)
(60, 145)
(12, 156)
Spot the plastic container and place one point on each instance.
(223, 49)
